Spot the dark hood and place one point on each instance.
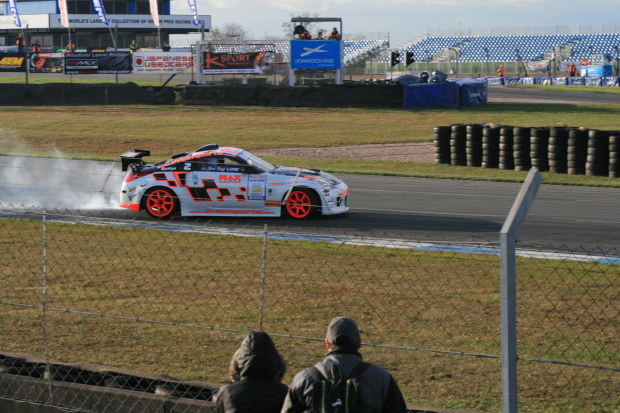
(259, 358)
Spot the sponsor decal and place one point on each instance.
(230, 179)
(256, 184)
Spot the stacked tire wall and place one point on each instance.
(575, 151)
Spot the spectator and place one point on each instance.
(379, 392)
(70, 48)
(133, 47)
(319, 36)
(20, 43)
(36, 47)
(306, 35)
(584, 62)
(572, 69)
(500, 71)
(334, 35)
(165, 47)
(256, 371)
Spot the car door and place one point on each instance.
(220, 183)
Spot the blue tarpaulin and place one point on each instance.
(431, 95)
(451, 94)
(473, 92)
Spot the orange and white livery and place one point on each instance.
(226, 181)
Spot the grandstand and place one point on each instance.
(462, 51)
(510, 48)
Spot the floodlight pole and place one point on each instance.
(508, 287)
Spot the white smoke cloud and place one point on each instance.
(56, 182)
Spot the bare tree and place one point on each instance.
(289, 27)
(227, 31)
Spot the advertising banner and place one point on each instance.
(13, 5)
(100, 11)
(127, 21)
(154, 12)
(12, 62)
(255, 63)
(97, 63)
(316, 54)
(46, 63)
(192, 6)
(538, 65)
(64, 15)
(162, 62)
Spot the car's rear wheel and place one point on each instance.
(160, 203)
(302, 204)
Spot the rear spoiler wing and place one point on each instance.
(134, 157)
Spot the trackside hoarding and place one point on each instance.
(317, 54)
(252, 63)
(162, 62)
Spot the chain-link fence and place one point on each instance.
(104, 314)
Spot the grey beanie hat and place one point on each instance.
(343, 331)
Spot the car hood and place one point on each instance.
(306, 173)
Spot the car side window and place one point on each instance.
(219, 164)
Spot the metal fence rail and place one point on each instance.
(105, 314)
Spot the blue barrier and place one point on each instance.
(560, 81)
(509, 81)
(609, 81)
(613, 81)
(542, 80)
(576, 81)
(495, 81)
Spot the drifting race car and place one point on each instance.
(214, 181)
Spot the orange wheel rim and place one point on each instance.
(298, 204)
(160, 203)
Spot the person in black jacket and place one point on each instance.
(256, 370)
(379, 392)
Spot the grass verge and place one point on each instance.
(95, 132)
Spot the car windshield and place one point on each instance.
(257, 162)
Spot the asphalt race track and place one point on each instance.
(434, 210)
(381, 207)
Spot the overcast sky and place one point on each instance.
(404, 20)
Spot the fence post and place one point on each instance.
(508, 286)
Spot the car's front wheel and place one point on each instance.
(160, 203)
(302, 204)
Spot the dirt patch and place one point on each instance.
(412, 152)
